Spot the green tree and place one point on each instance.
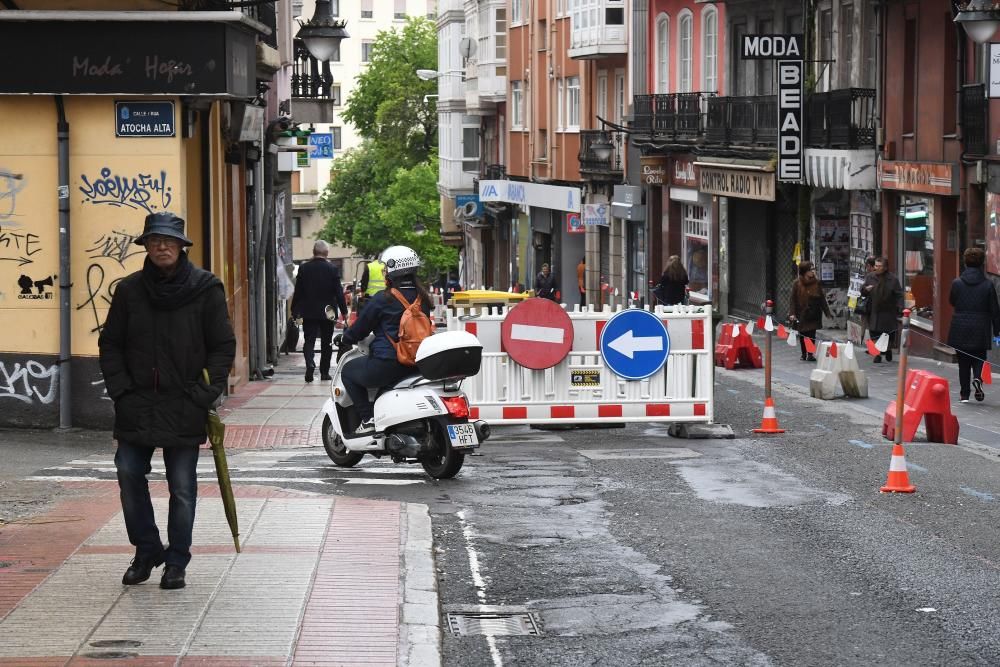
(388, 102)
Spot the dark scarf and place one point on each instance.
(169, 292)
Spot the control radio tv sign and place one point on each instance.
(787, 51)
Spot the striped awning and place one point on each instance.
(840, 169)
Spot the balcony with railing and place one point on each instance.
(598, 29)
(601, 153)
(838, 119)
(975, 119)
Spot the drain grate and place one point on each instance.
(493, 622)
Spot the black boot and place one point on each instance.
(140, 569)
(888, 354)
(173, 577)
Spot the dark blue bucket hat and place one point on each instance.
(163, 223)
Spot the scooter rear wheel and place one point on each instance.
(335, 447)
(442, 461)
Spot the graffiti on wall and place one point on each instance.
(29, 382)
(16, 244)
(142, 191)
(114, 249)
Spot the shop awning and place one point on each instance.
(840, 169)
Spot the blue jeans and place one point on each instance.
(364, 373)
(132, 462)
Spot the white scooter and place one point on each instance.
(423, 418)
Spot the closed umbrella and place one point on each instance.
(217, 436)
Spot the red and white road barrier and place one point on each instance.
(581, 388)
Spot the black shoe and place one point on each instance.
(173, 577)
(803, 357)
(877, 359)
(140, 569)
(811, 357)
(366, 427)
(888, 355)
(309, 375)
(325, 377)
(977, 384)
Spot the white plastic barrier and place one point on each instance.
(582, 389)
(841, 369)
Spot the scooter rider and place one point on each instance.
(381, 316)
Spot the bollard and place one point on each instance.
(899, 480)
(769, 424)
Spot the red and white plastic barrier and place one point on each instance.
(582, 389)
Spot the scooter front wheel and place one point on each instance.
(335, 447)
(441, 461)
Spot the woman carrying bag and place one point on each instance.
(807, 307)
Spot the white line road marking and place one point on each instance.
(628, 344)
(478, 582)
(374, 481)
(537, 334)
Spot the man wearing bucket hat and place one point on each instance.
(166, 323)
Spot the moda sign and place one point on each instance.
(787, 51)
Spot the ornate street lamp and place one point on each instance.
(980, 18)
(322, 34)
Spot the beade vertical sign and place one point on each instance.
(787, 50)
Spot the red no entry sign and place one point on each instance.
(537, 333)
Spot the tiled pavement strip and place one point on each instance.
(321, 580)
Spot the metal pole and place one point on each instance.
(768, 310)
(904, 340)
(65, 283)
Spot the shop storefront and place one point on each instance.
(920, 220)
(747, 194)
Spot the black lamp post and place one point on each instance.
(322, 34)
(980, 18)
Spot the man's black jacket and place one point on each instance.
(158, 336)
(316, 287)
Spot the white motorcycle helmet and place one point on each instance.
(399, 261)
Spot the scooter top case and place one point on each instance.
(449, 355)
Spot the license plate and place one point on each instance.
(462, 435)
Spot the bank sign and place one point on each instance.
(555, 197)
(787, 51)
(144, 119)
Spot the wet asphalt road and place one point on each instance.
(629, 547)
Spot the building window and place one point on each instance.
(432, 9)
(367, 9)
(695, 227)
(684, 56)
(636, 281)
(619, 97)
(516, 104)
(296, 227)
(470, 144)
(337, 138)
(869, 64)
(515, 11)
(500, 33)
(825, 46)
(335, 94)
(740, 83)
(399, 13)
(710, 50)
(366, 50)
(663, 54)
(916, 247)
(573, 103)
(296, 8)
(846, 55)
(584, 14)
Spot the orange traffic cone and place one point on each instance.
(769, 424)
(899, 479)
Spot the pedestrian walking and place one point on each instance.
(807, 307)
(976, 320)
(885, 304)
(581, 272)
(318, 288)
(545, 283)
(168, 324)
(673, 283)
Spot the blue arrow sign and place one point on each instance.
(635, 344)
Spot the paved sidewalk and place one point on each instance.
(321, 580)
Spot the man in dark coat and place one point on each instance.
(975, 321)
(545, 284)
(316, 288)
(885, 303)
(166, 324)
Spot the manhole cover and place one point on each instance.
(493, 622)
(116, 643)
